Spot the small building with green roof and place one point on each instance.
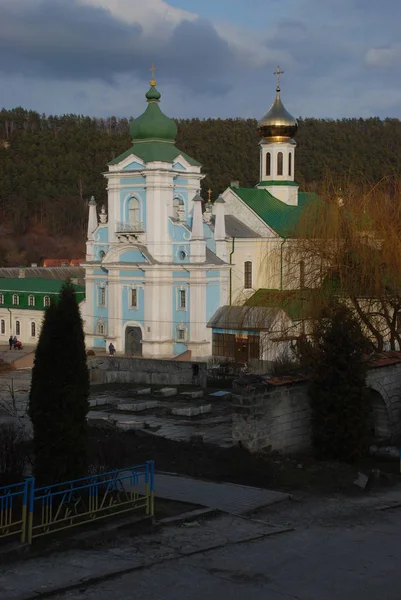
(23, 301)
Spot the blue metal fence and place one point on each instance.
(33, 512)
(13, 509)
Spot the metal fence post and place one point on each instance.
(24, 510)
(151, 465)
(31, 502)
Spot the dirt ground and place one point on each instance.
(236, 465)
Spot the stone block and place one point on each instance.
(191, 411)
(193, 395)
(95, 415)
(129, 425)
(167, 392)
(144, 391)
(137, 406)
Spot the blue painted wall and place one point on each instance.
(133, 256)
(133, 314)
(136, 274)
(180, 316)
(102, 234)
(180, 274)
(134, 166)
(179, 348)
(212, 273)
(209, 237)
(212, 299)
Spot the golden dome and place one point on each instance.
(278, 124)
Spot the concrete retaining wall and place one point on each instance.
(277, 417)
(273, 419)
(146, 371)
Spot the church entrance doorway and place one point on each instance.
(133, 341)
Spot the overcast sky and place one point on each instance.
(214, 58)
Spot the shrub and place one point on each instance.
(14, 455)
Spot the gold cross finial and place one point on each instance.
(152, 81)
(278, 72)
(209, 193)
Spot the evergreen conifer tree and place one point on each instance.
(339, 395)
(58, 399)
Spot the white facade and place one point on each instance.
(153, 277)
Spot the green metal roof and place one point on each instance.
(35, 285)
(297, 304)
(279, 182)
(153, 123)
(282, 218)
(155, 150)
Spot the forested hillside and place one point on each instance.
(51, 165)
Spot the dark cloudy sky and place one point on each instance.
(214, 58)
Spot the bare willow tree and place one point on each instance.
(349, 247)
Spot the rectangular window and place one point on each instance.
(17, 328)
(134, 298)
(223, 345)
(31, 301)
(102, 296)
(182, 299)
(33, 329)
(3, 326)
(15, 299)
(1, 299)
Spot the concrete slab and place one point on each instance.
(191, 411)
(144, 391)
(137, 406)
(129, 425)
(193, 395)
(167, 392)
(226, 497)
(97, 414)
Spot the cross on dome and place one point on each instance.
(278, 72)
(153, 81)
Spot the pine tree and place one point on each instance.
(339, 395)
(58, 399)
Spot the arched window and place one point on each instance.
(17, 328)
(15, 299)
(133, 212)
(280, 163)
(31, 300)
(33, 329)
(290, 164)
(248, 275)
(3, 326)
(268, 164)
(1, 298)
(46, 301)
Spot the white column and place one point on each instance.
(220, 229)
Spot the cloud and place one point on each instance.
(384, 58)
(93, 56)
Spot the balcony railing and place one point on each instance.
(123, 227)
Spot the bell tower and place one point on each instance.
(277, 150)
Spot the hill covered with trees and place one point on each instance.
(50, 166)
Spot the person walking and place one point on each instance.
(15, 340)
(111, 349)
(11, 342)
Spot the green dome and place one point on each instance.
(153, 124)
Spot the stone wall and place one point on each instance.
(273, 418)
(109, 369)
(386, 380)
(276, 415)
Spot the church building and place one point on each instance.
(155, 271)
(264, 311)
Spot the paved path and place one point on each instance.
(227, 497)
